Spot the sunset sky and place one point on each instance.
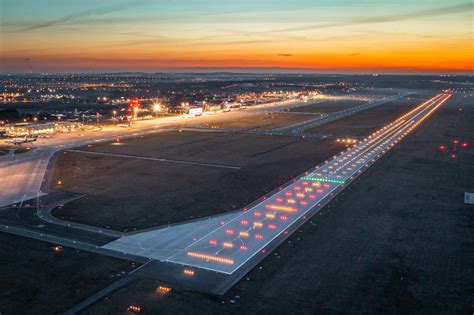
(154, 35)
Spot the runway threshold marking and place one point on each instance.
(148, 158)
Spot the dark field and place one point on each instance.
(262, 121)
(36, 280)
(398, 240)
(327, 106)
(125, 194)
(366, 122)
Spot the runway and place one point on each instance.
(234, 243)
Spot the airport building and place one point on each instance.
(40, 129)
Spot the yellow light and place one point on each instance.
(227, 261)
(281, 208)
(164, 290)
(244, 234)
(270, 215)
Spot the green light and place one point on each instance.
(318, 179)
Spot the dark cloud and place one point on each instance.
(86, 14)
(285, 55)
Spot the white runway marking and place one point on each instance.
(157, 159)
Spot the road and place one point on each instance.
(240, 240)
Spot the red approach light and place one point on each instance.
(243, 247)
(453, 156)
(465, 144)
(279, 199)
(135, 103)
(213, 242)
(442, 147)
(229, 232)
(257, 214)
(455, 141)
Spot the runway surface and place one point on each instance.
(238, 240)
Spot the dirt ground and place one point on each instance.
(128, 194)
(37, 280)
(366, 122)
(398, 240)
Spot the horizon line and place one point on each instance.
(253, 70)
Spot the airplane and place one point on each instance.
(21, 140)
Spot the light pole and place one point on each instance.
(114, 113)
(135, 113)
(156, 108)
